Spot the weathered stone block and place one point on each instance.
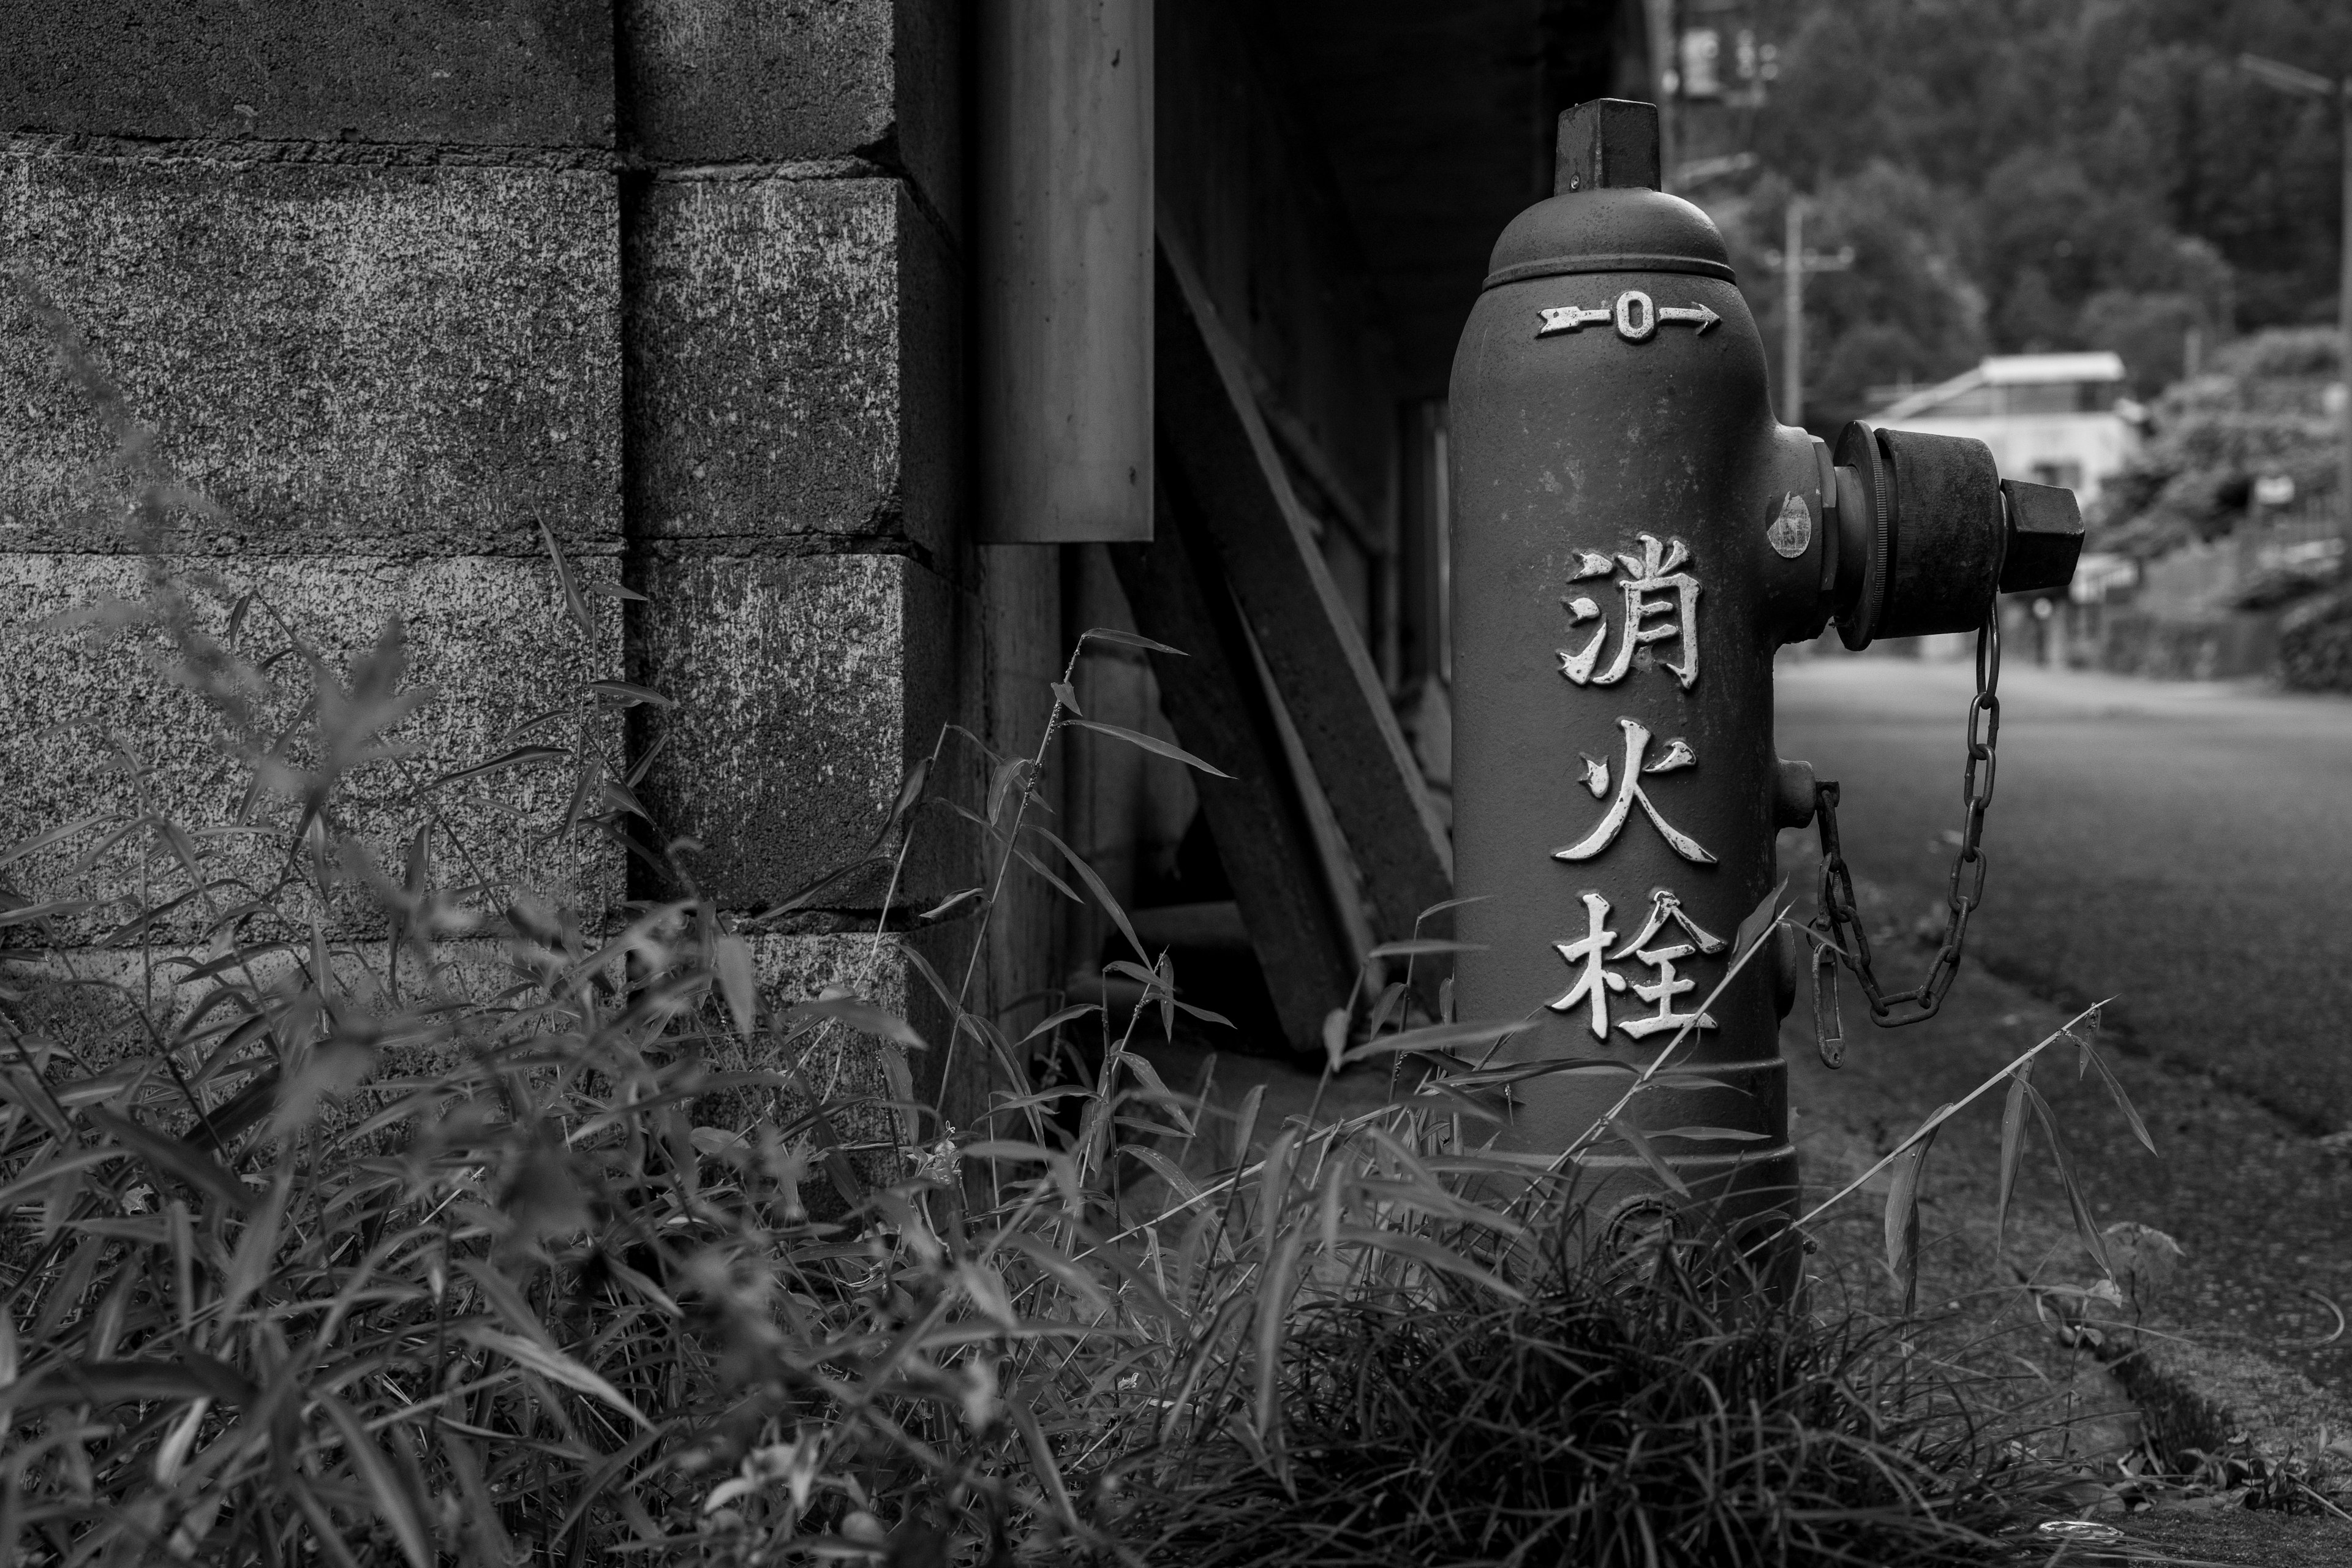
(794, 348)
(534, 73)
(717, 81)
(414, 362)
(116, 728)
(107, 1004)
(835, 1061)
(805, 688)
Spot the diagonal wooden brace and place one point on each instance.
(1219, 710)
(1215, 442)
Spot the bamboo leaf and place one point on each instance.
(1421, 946)
(863, 1015)
(34, 845)
(985, 1286)
(629, 695)
(1067, 697)
(1151, 743)
(2123, 1101)
(55, 907)
(1442, 1036)
(574, 604)
(171, 1157)
(950, 901)
(192, 1377)
(1056, 1020)
(1129, 639)
(1443, 905)
(1759, 922)
(1335, 1037)
(256, 1250)
(2086, 1228)
(737, 981)
(2013, 1149)
(910, 790)
(1520, 1072)
(1903, 1217)
(1150, 979)
(522, 756)
(1011, 772)
(1040, 868)
(1429, 1254)
(551, 1362)
(1110, 906)
(1634, 1140)
(1041, 1458)
(1167, 1170)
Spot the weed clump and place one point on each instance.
(1607, 1418)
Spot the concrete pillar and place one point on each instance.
(799, 503)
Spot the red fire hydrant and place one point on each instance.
(1633, 535)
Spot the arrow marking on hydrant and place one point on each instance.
(1567, 318)
(1700, 314)
(1637, 319)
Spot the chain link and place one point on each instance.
(1839, 923)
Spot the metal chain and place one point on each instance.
(1840, 921)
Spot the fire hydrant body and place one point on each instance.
(1633, 536)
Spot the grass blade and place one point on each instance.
(1273, 1321)
(393, 1504)
(2013, 1149)
(1903, 1218)
(171, 1157)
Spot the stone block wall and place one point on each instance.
(410, 291)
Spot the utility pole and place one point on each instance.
(2292, 78)
(1792, 261)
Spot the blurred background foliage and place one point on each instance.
(2029, 175)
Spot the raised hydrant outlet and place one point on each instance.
(1633, 535)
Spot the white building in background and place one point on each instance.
(2056, 419)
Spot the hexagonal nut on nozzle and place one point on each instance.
(2045, 537)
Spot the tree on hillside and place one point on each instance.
(2261, 411)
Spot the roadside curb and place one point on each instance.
(2197, 1401)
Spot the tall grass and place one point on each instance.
(398, 1215)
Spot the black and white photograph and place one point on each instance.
(1175, 784)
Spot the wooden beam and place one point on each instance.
(1061, 226)
(1217, 447)
(1220, 711)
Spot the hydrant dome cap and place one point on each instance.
(1613, 230)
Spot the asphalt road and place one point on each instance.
(2185, 847)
